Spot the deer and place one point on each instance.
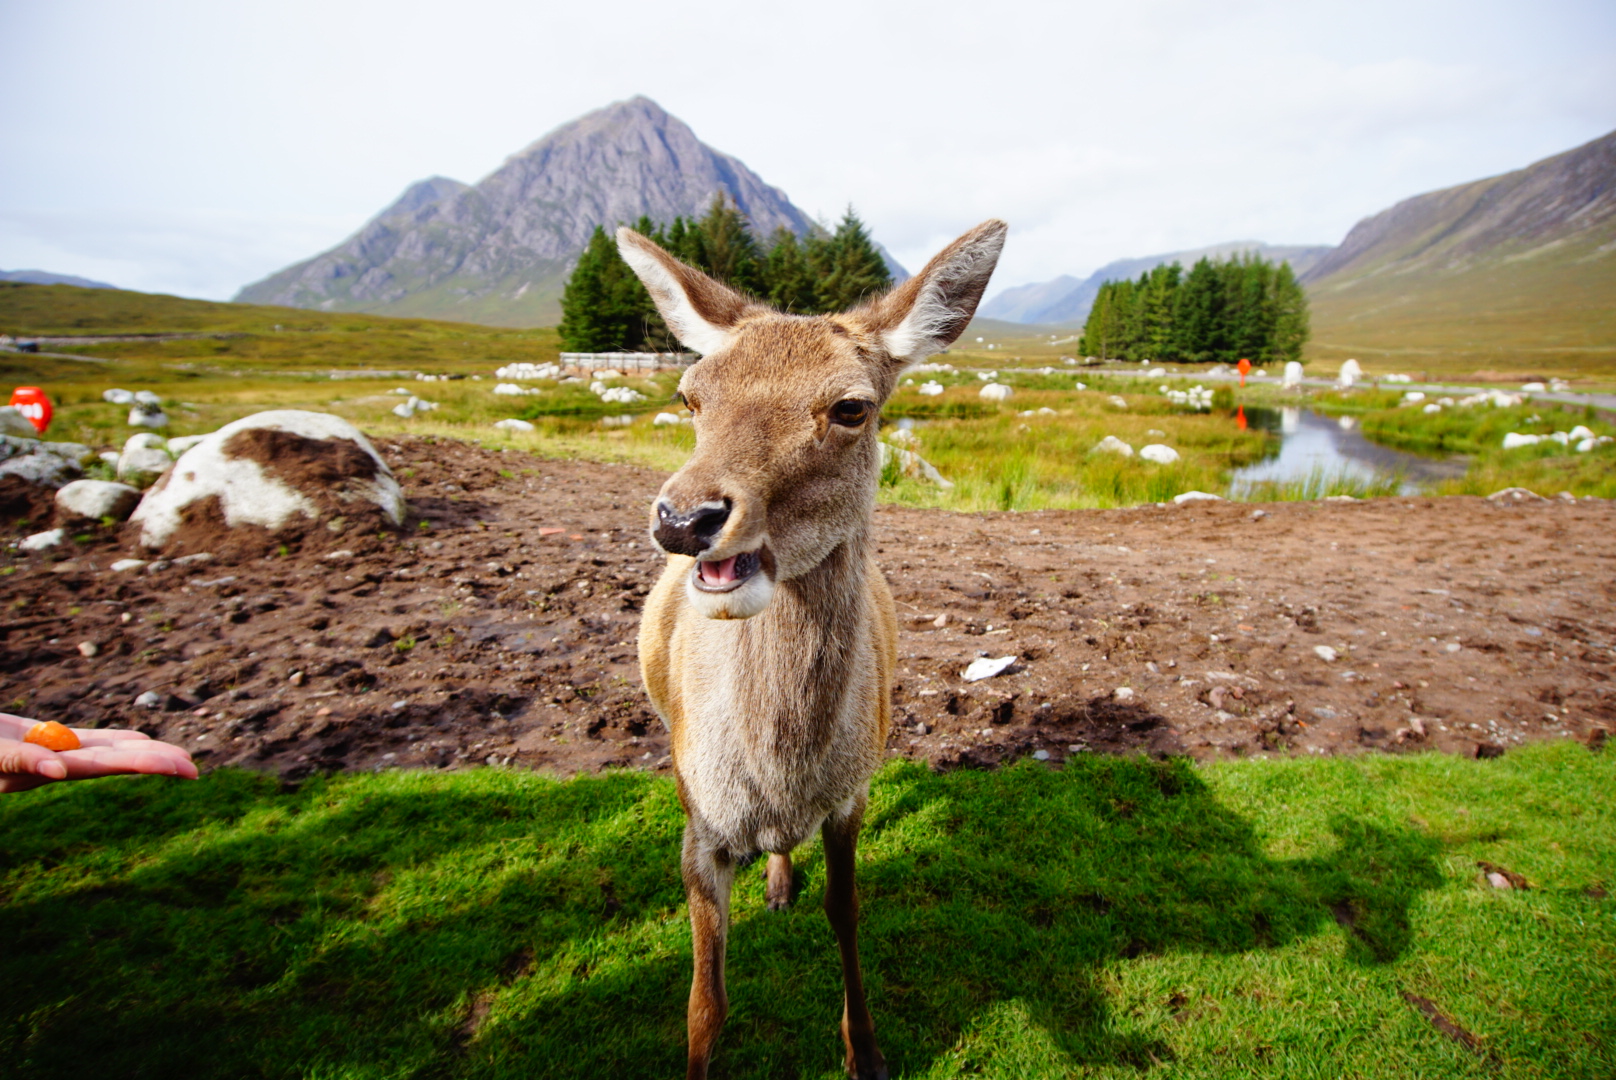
(768, 643)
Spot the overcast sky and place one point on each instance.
(193, 147)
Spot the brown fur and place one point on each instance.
(777, 695)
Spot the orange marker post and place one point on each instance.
(1245, 369)
(32, 403)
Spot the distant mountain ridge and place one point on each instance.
(1065, 301)
(1514, 272)
(499, 251)
(44, 277)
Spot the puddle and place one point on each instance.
(1333, 446)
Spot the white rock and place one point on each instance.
(118, 397)
(15, 424)
(1588, 444)
(1123, 694)
(88, 649)
(1533, 387)
(142, 416)
(149, 700)
(145, 440)
(1040, 755)
(1580, 432)
(905, 438)
(1515, 494)
(182, 443)
(1414, 396)
(1112, 445)
(663, 419)
(621, 395)
(97, 499)
(1196, 496)
(404, 410)
(41, 541)
(1350, 373)
(110, 457)
(271, 469)
(996, 392)
(608, 373)
(142, 465)
(1160, 453)
(1156, 373)
(44, 470)
(1431, 408)
(1325, 653)
(1117, 401)
(913, 466)
(1080, 386)
(931, 388)
(123, 566)
(514, 424)
(510, 389)
(1293, 375)
(72, 451)
(146, 397)
(985, 668)
(1514, 440)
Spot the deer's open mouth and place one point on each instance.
(725, 575)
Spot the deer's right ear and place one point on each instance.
(701, 312)
(928, 312)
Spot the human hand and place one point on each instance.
(102, 752)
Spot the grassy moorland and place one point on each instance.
(1033, 451)
(1262, 918)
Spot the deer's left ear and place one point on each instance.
(928, 312)
(701, 312)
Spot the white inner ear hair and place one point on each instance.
(669, 295)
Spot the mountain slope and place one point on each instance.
(45, 277)
(1066, 300)
(1515, 271)
(499, 252)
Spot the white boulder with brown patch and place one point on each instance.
(280, 471)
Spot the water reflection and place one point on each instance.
(1313, 444)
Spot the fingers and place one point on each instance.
(18, 758)
(153, 758)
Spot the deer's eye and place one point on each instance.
(851, 413)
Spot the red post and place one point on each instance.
(32, 403)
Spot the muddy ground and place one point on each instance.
(499, 628)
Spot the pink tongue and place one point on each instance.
(719, 573)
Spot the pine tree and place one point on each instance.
(1158, 295)
(848, 267)
(788, 279)
(1292, 326)
(1197, 323)
(729, 253)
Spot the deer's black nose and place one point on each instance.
(690, 533)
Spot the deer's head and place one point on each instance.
(786, 409)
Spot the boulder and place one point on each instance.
(522, 425)
(97, 499)
(268, 478)
(146, 397)
(996, 392)
(118, 397)
(71, 450)
(41, 469)
(144, 459)
(1160, 453)
(148, 416)
(1112, 445)
(11, 446)
(182, 443)
(15, 424)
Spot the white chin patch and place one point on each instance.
(742, 602)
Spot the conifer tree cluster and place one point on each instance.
(604, 307)
(1220, 312)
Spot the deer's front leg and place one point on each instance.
(708, 872)
(864, 1060)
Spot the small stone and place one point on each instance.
(123, 566)
(96, 499)
(127, 617)
(1258, 515)
(324, 710)
(1075, 748)
(42, 541)
(1453, 646)
(1123, 694)
(337, 555)
(295, 678)
(88, 649)
(940, 621)
(1195, 496)
(1325, 653)
(1040, 755)
(149, 700)
(1417, 726)
(192, 560)
(1498, 881)
(986, 668)
(923, 728)
(395, 706)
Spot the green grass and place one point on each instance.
(1257, 918)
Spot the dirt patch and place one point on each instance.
(499, 627)
(302, 463)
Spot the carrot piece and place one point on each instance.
(52, 736)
